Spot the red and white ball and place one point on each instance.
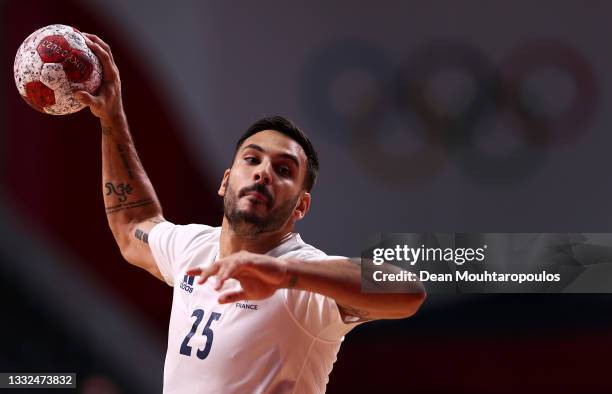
(51, 64)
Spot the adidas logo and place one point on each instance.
(187, 283)
(246, 305)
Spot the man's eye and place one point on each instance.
(284, 171)
(250, 160)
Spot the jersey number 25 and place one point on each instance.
(207, 332)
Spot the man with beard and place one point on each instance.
(275, 310)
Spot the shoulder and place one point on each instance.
(185, 231)
(304, 251)
(175, 247)
(297, 248)
(178, 241)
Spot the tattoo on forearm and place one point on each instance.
(292, 281)
(124, 158)
(141, 235)
(121, 190)
(128, 205)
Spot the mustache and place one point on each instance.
(259, 188)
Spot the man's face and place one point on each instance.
(263, 191)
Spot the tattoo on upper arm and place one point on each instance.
(141, 235)
(106, 130)
(128, 205)
(121, 190)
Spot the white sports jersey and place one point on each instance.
(284, 344)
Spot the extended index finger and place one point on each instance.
(108, 66)
(204, 273)
(100, 42)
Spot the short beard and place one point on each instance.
(250, 225)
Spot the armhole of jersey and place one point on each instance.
(297, 323)
(169, 280)
(153, 244)
(350, 323)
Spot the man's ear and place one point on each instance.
(303, 206)
(224, 182)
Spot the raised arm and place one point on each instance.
(261, 275)
(132, 207)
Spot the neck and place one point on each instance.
(231, 242)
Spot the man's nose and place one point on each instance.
(263, 173)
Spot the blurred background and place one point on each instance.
(471, 116)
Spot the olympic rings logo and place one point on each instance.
(446, 134)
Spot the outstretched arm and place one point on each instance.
(132, 207)
(261, 275)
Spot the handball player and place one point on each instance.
(255, 309)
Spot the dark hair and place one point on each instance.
(286, 127)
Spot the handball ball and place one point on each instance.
(51, 64)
